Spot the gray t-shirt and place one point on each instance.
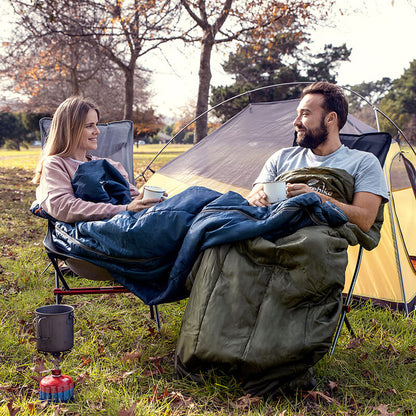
(364, 167)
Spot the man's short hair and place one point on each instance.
(334, 99)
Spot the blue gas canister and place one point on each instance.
(57, 387)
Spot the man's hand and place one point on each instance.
(295, 189)
(257, 197)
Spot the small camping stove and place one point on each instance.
(55, 336)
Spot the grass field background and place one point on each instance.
(122, 366)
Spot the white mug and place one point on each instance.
(153, 192)
(275, 191)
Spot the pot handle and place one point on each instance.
(38, 326)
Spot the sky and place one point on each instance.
(381, 34)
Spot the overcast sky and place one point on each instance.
(381, 34)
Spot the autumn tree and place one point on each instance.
(183, 117)
(93, 35)
(223, 21)
(49, 71)
(146, 123)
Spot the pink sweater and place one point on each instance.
(56, 196)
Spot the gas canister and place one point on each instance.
(57, 387)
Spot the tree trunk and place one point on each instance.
(201, 125)
(129, 92)
(74, 82)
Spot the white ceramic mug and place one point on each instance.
(275, 191)
(153, 192)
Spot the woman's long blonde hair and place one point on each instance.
(66, 130)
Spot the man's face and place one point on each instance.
(310, 122)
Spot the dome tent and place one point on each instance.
(231, 157)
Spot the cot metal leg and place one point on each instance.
(59, 278)
(58, 298)
(46, 268)
(349, 327)
(154, 315)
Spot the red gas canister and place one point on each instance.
(57, 387)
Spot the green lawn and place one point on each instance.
(122, 366)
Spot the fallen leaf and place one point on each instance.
(375, 323)
(155, 397)
(39, 366)
(149, 373)
(315, 394)
(368, 374)
(383, 410)
(82, 378)
(127, 412)
(85, 361)
(391, 351)
(332, 385)
(131, 356)
(125, 374)
(115, 328)
(37, 407)
(153, 333)
(246, 402)
(179, 400)
(37, 378)
(158, 367)
(354, 343)
(12, 410)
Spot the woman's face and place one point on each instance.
(90, 132)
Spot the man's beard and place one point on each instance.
(311, 139)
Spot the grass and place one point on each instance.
(122, 366)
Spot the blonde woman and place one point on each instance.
(73, 134)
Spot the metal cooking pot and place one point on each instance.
(54, 328)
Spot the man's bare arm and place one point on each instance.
(362, 211)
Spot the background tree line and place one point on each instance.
(98, 48)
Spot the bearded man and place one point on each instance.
(321, 114)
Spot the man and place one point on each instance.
(321, 114)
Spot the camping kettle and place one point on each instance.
(54, 328)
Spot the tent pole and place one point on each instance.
(393, 227)
(377, 120)
(396, 247)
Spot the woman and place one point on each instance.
(72, 135)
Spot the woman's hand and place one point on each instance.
(139, 204)
(257, 196)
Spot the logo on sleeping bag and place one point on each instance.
(319, 186)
